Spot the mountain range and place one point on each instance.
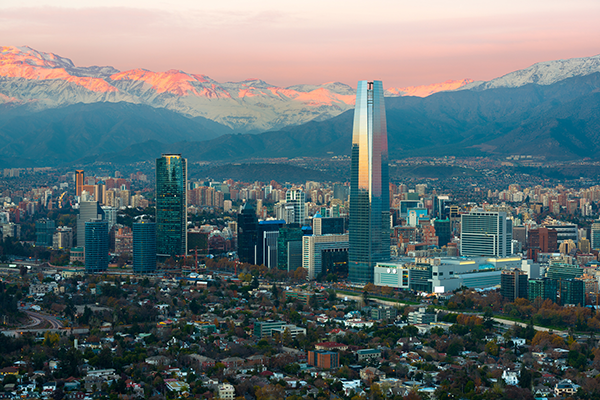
(52, 112)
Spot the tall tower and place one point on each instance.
(79, 181)
(369, 226)
(144, 247)
(171, 205)
(96, 246)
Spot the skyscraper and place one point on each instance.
(247, 234)
(96, 246)
(144, 247)
(171, 205)
(79, 181)
(369, 224)
(88, 211)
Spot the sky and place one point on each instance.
(403, 43)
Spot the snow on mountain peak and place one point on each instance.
(542, 73)
(426, 90)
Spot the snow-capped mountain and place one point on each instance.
(41, 81)
(542, 73)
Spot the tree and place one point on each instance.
(525, 378)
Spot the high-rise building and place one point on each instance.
(369, 223)
(62, 238)
(297, 198)
(144, 247)
(88, 211)
(544, 288)
(171, 205)
(266, 248)
(595, 236)
(572, 292)
(44, 230)
(487, 234)
(513, 284)
(322, 254)
(541, 240)
(96, 246)
(79, 181)
(442, 231)
(289, 247)
(247, 234)
(328, 226)
(110, 214)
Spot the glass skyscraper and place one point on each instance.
(171, 205)
(369, 224)
(144, 247)
(96, 246)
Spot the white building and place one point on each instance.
(487, 234)
(226, 391)
(313, 248)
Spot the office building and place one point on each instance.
(110, 215)
(564, 231)
(171, 205)
(595, 236)
(341, 192)
(421, 316)
(88, 211)
(443, 231)
(437, 275)
(544, 288)
(513, 284)
(379, 313)
(559, 271)
(297, 199)
(247, 234)
(289, 247)
(96, 246)
(328, 225)
(144, 247)
(369, 185)
(266, 249)
(326, 254)
(541, 240)
(485, 234)
(323, 359)
(62, 238)
(44, 231)
(572, 292)
(79, 181)
(263, 329)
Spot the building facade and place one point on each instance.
(171, 205)
(96, 246)
(144, 247)
(369, 223)
(487, 234)
(314, 249)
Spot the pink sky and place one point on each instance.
(287, 43)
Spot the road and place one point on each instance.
(36, 320)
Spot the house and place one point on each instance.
(565, 388)
(369, 374)
(351, 386)
(511, 377)
(232, 362)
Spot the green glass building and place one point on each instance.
(171, 205)
(369, 224)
